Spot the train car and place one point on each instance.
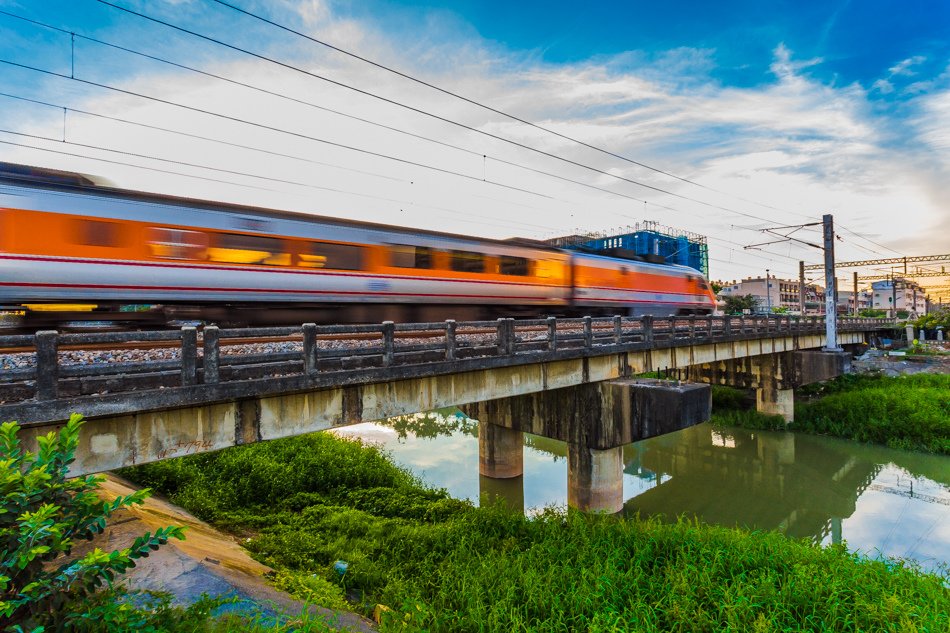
(73, 249)
(634, 287)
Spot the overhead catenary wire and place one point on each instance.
(206, 167)
(339, 113)
(421, 111)
(514, 117)
(732, 211)
(304, 136)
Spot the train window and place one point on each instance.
(236, 248)
(97, 233)
(176, 243)
(330, 255)
(404, 256)
(467, 262)
(508, 265)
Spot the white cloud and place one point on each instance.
(794, 143)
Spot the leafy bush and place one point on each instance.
(43, 515)
(932, 320)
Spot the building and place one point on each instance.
(781, 293)
(899, 294)
(846, 301)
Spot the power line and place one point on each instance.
(423, 112)
(274, 129)
(323, 108)
(513, 117)
(347, 147)
(204, 178)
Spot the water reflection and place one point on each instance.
(878, 500)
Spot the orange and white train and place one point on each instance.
(70, 246)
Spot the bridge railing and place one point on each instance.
(51, 365)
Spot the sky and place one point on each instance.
(717, 118)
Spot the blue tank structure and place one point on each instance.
(648, 241)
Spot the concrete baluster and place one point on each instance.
(310, 353)
(389, 343)
(727, 325)
(588, 333)
(450, 342)
(618, 330)
(47, 364)
(552, 334)
(502, 337)
(189, 356)
(692, 327)
(646, 328)
(212, 354)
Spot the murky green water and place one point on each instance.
(880, 501)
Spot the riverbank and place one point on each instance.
(209, 562)
(304, 504)
(909, 412)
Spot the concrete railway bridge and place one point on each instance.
(572, 380)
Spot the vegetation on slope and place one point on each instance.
(306, 503)
(907, 412)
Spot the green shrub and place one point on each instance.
(43, 515)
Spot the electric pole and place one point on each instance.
(801, 287)
(831, 311)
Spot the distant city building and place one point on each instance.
(781, 293)
(899, 294)
(846, 301)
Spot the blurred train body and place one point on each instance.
(72, 249)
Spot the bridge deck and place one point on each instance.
(319, 357)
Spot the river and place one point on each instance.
(878, 500)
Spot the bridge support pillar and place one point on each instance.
(776, 402)
(500, 451)
(508, 492)
(595, 478)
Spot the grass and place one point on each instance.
(907, 412)
(439, 564)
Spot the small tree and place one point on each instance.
(736, 304)
(43, 514)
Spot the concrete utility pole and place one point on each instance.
(893, 295)
(831, 309)
(801, 287)
(856, 307)
(768, 291)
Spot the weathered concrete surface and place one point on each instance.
(500, 451)
(656, 407)
(595, 479)
(207, 561)
(815, 366)
(771, 401)
(600, 416)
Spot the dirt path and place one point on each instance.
(207, 561)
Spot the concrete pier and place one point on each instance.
(771, 401)
(595, 420)
(595, 479)
(500, 451)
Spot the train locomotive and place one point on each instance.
(72, 248)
